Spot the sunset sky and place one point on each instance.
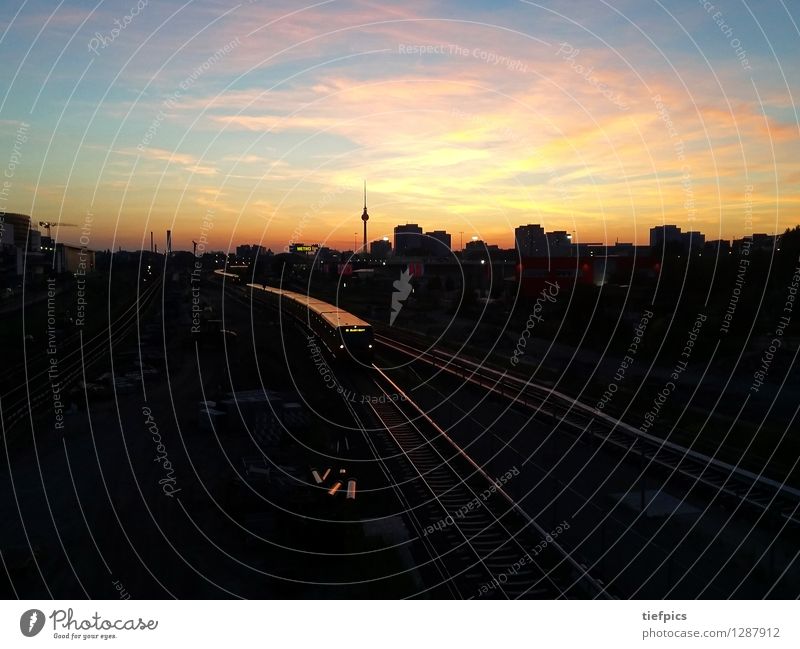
(603, 118)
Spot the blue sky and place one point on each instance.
(499, 126)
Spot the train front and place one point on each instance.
(355, 342)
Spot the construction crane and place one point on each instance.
(47, 225)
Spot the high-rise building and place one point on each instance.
(530, 241)
(73, 259)
(19, 224)
(250, 252)
(692, 241)
(408, 238)
(47, 244)
(766, 241)
(662, 236)
(559, 244)
(718, 246)
(477, 249)
(437, 243)
(381, 248)
(533, 241)
(34, 241)
(669, 238)
(6, 233)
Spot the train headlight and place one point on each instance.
(370, 346)
(341, 346)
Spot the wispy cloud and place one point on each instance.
(461, 117)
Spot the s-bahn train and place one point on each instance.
(233, 278)
(344, 335)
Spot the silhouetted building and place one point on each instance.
(766, 242)
(478, 249)
(670, 239)
(663, 236)
(761, 242)
(533, 241)
(47, 245)
(6, 233)
(34, 241)
(325, 254)
(408, 238)
(381, 248)
(213, 260)
(718, 245)
(438, 243)
(530, 241)
(19, 224)
(692, 241)
(624, 249)
(559, 244)
(249, 252)
(73, 259)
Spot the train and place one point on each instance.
(233, 278)
(345, 336)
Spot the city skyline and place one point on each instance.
(166, 238)
(390, 238)
(550, 126)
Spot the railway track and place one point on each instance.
(774, 498)
(477, 542)
(71, 340)
(71, 366)
(474, 555)
(480, 543)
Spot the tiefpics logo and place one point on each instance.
(31, 622)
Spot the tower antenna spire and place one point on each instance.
(365, 218)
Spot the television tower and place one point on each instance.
(365, 218)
